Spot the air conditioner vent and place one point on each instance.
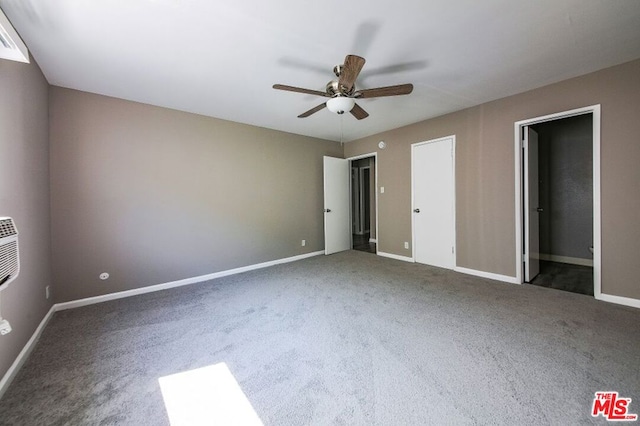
(9, 255)
(7, 228)
(8, 261)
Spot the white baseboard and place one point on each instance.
(373, 240)
(396, 257)
(483, 274)
(22, 356)
(627, 301)
(179, 283)
(24, 353)
(566, 259)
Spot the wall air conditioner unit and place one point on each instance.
(9, 256)
(11, 46)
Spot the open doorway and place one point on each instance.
(363, 204)
(565, 173)
(559, 224)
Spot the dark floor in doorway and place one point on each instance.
(362, 243)
(563, 276)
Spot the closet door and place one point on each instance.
(433, 192)
(531, 205)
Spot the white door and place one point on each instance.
(433, 187)
(337, 235)
(531, 206)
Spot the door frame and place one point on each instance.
(355, 175)
(362, 197)
(519, 183)
(351, 160)
(453, 171)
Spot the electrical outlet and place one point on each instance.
(304, 243)
(406, 245)
(382, 189)
(5, 327)
(47, 291)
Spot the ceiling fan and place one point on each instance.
(343, 93)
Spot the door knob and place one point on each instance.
(416, 210)
(327, 210)
(539, 209)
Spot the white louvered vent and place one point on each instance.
(9, 255)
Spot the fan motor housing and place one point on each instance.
(334, 89)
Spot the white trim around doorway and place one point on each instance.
(360, 157)
(597, 246)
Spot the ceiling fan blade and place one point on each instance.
(300, 90)
(312, 110)
(378, 92)
(358, 112)
(350, 69)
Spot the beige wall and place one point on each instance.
(485, 209)
(24, 195)
(153, 195)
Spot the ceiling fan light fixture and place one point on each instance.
(342, 92)
(340, 104)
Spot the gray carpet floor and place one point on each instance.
(347, 339)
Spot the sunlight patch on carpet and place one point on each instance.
(208, 395)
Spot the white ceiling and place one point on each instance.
(220, 58)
